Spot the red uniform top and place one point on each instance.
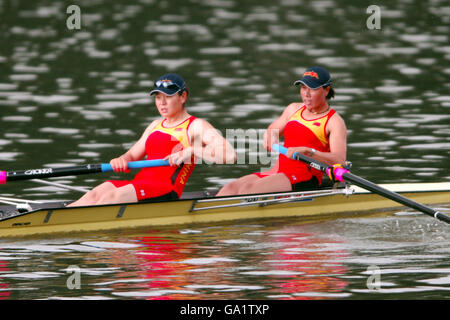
(300, 132)
(159, 181)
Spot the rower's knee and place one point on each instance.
(124, 194)
(242, 185)
(94, 195)
(229, 189)
(246, 187)
(101, 191)
(107, 197)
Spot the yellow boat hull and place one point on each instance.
(191, 211)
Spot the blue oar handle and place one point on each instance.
(311, 162)
(279, 149)
(105, 167)
(283, 150)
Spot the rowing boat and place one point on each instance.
(349, 193)
(34, 218)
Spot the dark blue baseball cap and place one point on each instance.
(169, 84)
(314, 78)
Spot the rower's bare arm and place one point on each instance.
(338, 142)
(276, 128)
(135, 153)
(209, 145)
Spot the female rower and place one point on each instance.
(311, 128)
(177, 137)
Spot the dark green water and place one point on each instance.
(71, 97)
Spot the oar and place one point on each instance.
(342, 174)
(76, 170)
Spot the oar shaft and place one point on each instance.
(342, 174)
(75, 170)
(363, 183)
(51, 172)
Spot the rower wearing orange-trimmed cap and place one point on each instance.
(310, 127)
(177, 137)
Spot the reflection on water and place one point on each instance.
(70, 97)
(280, 259)
(232, 262)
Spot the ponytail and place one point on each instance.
(330, 94)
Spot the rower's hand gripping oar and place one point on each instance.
(341, 174)
(76, 170)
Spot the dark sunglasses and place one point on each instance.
(167, 84)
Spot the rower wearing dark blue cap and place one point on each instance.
(315, 78)
(309, 127)
(169, 84)
(178, 137)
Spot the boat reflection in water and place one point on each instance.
(226, 262)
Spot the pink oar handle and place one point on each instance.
(2, 177)
(338, 173)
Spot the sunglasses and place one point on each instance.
(167, 84)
